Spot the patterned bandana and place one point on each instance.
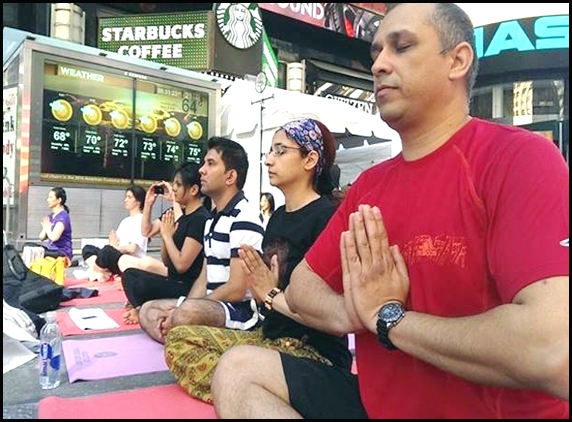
(308, 136)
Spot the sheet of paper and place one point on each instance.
(14, 354)
(17, 332)
(92, 319)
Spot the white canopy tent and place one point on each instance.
(240, 120)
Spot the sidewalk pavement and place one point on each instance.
(22, 393)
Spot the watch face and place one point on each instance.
(391, 312)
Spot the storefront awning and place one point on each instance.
(319, 71)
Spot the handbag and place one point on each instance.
(13, 264)
(51, 267)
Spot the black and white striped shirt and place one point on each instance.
(237, 224)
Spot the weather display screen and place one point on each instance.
(100, 127)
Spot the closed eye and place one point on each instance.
(403, 48)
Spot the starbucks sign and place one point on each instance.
(239, 23)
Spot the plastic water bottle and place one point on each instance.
(50, 352)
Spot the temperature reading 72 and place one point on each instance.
(120, 143)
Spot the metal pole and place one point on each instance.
(8, 200)
(261, 101)
(261, 153)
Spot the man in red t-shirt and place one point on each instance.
(449, 262)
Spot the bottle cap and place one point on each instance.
(51, 316)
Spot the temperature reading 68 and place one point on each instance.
(62, 139)
(61, 135)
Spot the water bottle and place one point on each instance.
(50, 352)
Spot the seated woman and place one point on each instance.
(56, 227)
(299, 162)
(148, 278)
(127, 238)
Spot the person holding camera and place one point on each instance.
(181, 228)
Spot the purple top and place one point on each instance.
(64, 243)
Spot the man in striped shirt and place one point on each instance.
(219, 297)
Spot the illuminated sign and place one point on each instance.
(349, 19)
(239, 23)
(180, 39)
(94, 128)
(545, 33)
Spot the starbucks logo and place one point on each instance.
(239, 23)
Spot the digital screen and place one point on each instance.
(100, 127)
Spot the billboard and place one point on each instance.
(107, 127)
(177, 39)
(344, 18)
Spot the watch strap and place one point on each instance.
(270, 297)
(383, 326)
(383, 335)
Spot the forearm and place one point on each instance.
(146, 222)
(174, 254)
(280, 305)
(315, 303)
(43, 235)
(52, 234)
(504, 347)
(228, 293)
(177, 210)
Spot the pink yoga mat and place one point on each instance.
(73, 282)
(160, 402)
(105, 296)
(84, 282)
(69, 328)
(110, 357)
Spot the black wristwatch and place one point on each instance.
(388, 317)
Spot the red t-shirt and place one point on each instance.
(477, 220)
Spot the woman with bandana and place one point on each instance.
(299, 163)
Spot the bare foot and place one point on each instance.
(117, 282)
(131, 316)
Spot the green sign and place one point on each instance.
(269, 62)
(180, 39)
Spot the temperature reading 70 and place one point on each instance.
(92, 139)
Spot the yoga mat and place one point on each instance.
(69, 328)
(111, 357)
(75, 282)
(85, 282)
(159, 402)
(105, 296)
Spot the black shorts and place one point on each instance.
(319, 391)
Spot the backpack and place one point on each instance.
(26, 290)
(13, 264)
